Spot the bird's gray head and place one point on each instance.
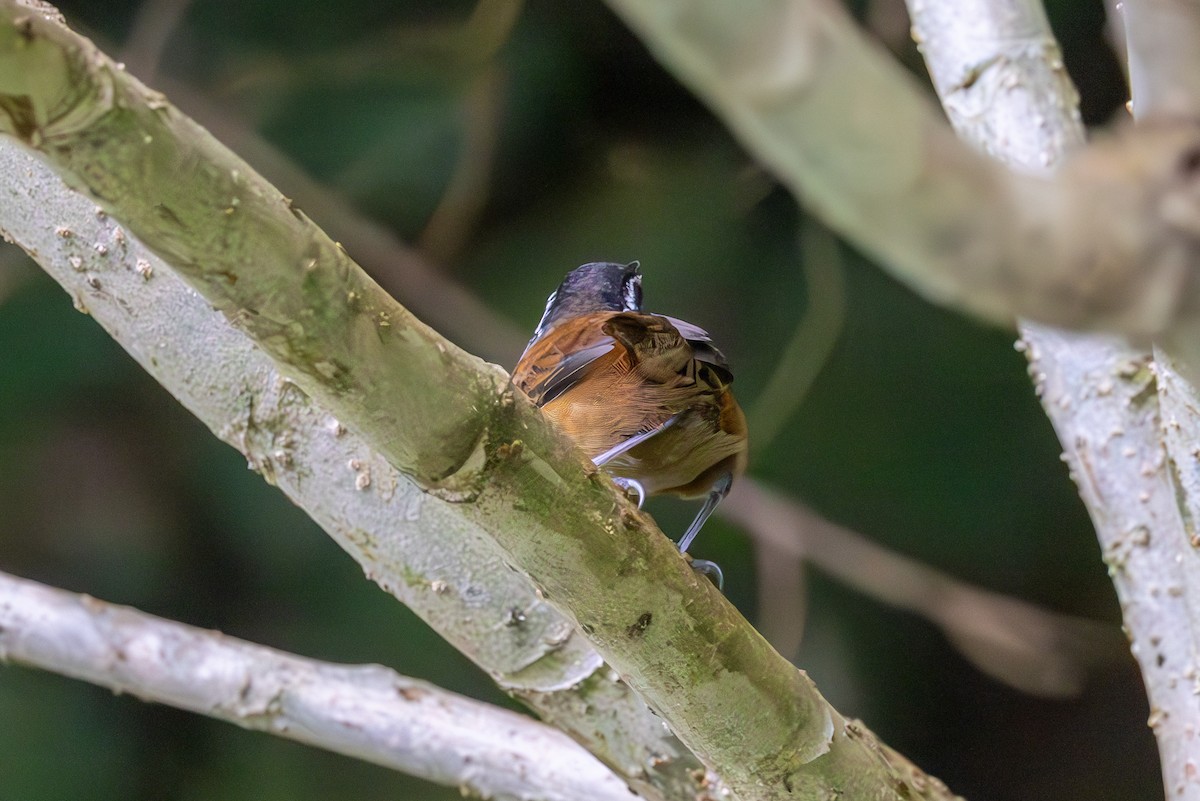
(596, 286)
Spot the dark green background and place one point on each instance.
(922, 432)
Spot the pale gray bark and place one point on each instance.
(1162, 41)
(365, 711)
(999, 73)
(885, 175)
(458, 433)
(1162, 44)
(415, 546)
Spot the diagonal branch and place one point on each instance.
(1009, 638)
(1017, 642)
(1109, 242)
(462, 317)
(364, 711)
(415, 546)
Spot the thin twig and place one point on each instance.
(436, 52)
(436, 299)
(811, 344)
(1012, 640)
(447, 231)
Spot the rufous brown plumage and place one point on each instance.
(646, 396)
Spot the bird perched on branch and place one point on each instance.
(646, 396)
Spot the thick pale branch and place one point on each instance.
(1018, 628)
(999, 72)
(445, 418)
(1110, 241)
(415, 546)
(1163, 46)
(364, 711)
(1119, 465)
(1098, 391)
(217, 217)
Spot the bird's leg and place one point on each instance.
(634, 441)
(628, 484)
(621, 447)
(710, 568)
(718, 492)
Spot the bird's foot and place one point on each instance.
(632, 485)
(708, 568)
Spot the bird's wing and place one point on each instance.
(703, 348)
(663, 350)
(571, 369)
(657, 350)
(562, 357)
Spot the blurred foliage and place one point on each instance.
(922, 432)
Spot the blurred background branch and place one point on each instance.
(1161, 38)
(150, 31)
(1093, 246)
(810, 345)
(1014, 641)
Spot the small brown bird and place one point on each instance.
(646, 396)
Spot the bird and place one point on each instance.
(646, 396)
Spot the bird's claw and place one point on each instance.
(632, 485)
(708, 568)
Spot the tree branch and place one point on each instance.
(364, 711)
(1098, 391)
(415, 546)
(838, 551)
(1109, 242)
(1012, 640)
(1118, 463)
(1162, 44)
(464, 318)
(1162, 39)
